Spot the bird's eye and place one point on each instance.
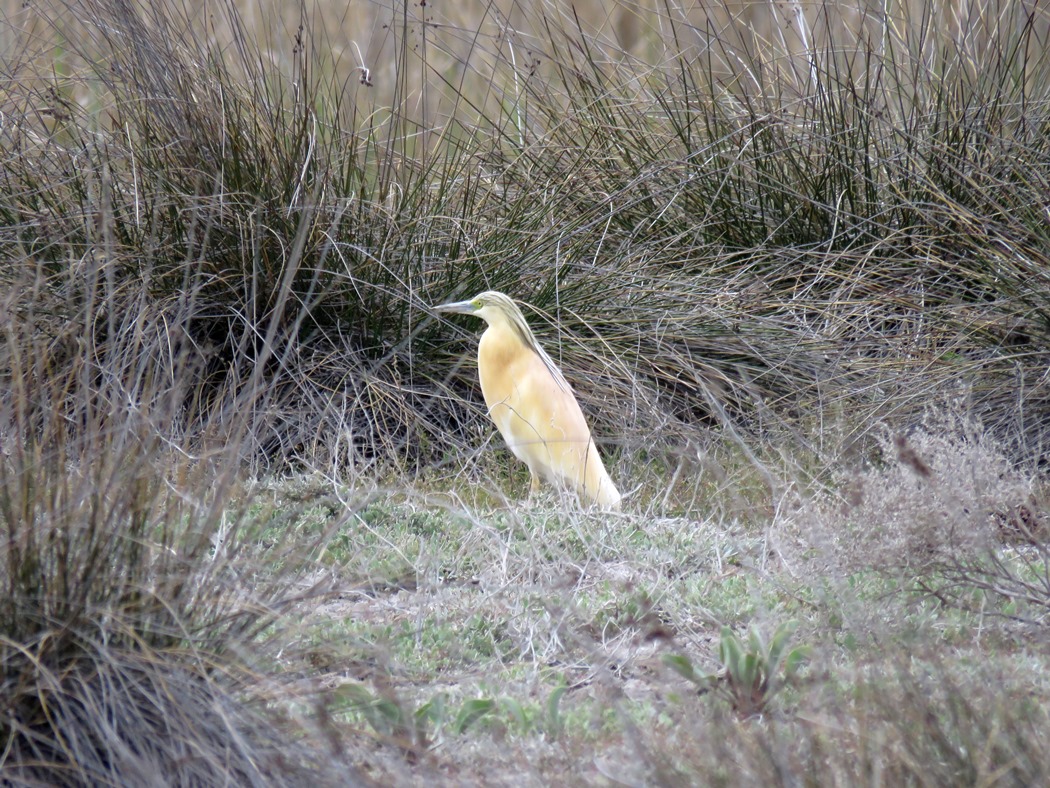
(476, 303)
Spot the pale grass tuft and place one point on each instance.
(935, 490)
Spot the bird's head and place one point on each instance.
(500, 311)
(492, 307)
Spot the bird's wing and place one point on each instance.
(546, 403)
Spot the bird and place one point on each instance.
(532, 404)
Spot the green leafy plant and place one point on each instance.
(415, 729)
(418, 728)
(751, 673)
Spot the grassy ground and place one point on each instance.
(256, 525)
(527, 643)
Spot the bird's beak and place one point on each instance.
(461, 307)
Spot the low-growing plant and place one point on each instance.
(753, 672)
(417, 728)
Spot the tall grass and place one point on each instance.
(785, 231)
(131, 620)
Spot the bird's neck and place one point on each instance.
(499, 346)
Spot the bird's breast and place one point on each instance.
(524, 399)
(501, 357)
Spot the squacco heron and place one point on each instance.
(532, 404)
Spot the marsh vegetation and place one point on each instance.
(794, 260)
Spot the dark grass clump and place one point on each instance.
(131, 622)
(119, 716)
(175, 168)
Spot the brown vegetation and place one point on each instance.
(794, 260)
